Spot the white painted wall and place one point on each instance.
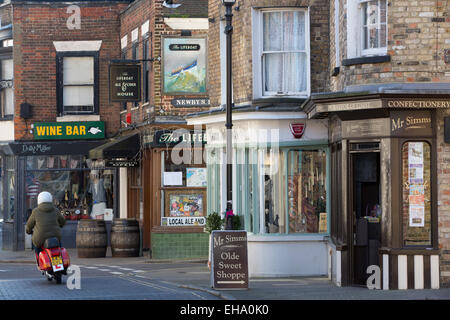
(263, 128)
(7, 130)
(123, 184)
(281, 256)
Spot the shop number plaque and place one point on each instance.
(229, 263)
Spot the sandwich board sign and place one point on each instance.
(229, 262)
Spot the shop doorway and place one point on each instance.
(365, 213)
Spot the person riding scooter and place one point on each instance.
(45, 221)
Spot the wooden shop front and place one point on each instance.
(384, 188)
(168, 192)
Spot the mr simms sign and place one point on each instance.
(229, 269)
(125, 82)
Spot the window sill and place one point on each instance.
(366, 60)
(279, 99)
(7, 118)
(287, 237)
(79, 117)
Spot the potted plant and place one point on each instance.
(213, 222)
(232, 221)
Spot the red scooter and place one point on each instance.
(53, 260)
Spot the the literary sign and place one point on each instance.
(229, 262)
(125, 82)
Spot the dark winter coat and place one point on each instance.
(45, 222)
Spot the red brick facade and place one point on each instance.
(133, 18)
(35, 27)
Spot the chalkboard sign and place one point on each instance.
(229, 268)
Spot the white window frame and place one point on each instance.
(372, 51)
(354, 31)
(258, 74)
(4, 103)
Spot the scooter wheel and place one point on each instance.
(58, 278)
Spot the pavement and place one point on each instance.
(194, 274)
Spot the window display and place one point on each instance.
(416, 193)
(10, 185)
(183, 188)
(78, 192)
(306, 190)
(274, 219)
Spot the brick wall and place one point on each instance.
(35, 27)
(443, 171)
(418, 35)
(242, 46)
(159, 103)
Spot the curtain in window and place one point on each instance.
(284, 52)
(374, 24)
(7, 73)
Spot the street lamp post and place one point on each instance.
(228, 124)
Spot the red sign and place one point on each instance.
(297, 129)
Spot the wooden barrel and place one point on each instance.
(91, 239)
(125, 238)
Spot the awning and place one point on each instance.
(120, 147)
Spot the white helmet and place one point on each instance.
(44, 197)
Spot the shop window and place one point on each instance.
(9, 183)
(183, 187)
(281, 53)
(307, 194)
(7, 90)
(78, 192)
(272, 186)
(77, 83)
(416, 182)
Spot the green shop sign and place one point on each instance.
(69, 130)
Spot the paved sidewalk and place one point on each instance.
(194, 274)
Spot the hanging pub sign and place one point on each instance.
(184, 65)
(71, 130)
(229, 263)
(125, 82)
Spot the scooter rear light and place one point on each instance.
(44, 261)
(65, 257)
